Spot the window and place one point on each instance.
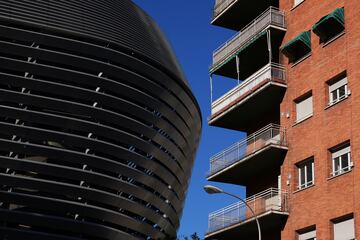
(344, 230)
(330, 26)
(341, 160)
(338, 90)
(297, 2)
(304, 108)
(298, 48)
(306, 173)
(310, 235)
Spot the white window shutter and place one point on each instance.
(304, 108)
(307, 235)
(338, 84)
(296, 2)
(344, 230)
(341, 152)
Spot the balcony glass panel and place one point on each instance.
(271, 134)
(272, 16)
(270, 73)
(269, 200)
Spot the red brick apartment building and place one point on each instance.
(298, 99)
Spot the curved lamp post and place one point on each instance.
(212, 190)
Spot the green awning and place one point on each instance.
(238, 51)
(297, 46)
(303, 37)
(330, 25)
(337, 15)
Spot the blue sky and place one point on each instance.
(186, 24)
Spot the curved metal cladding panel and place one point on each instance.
(98, 127)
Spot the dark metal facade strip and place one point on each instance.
(49, 121)
(57, 59)
(61, 224)
(79, 159)
(97, 197)
(103, 54)
(87, 112)
(98, 181)
(132, 30)
(58, 206)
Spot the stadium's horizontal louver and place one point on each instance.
(98, 126)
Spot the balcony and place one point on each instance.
(255, 101)
(237, 222)
(259, 153)
(235, 14)
(251, 45)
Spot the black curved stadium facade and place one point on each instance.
(98, 126)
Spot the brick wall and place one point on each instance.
(335, 197)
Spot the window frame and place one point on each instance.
(324, 44)
(304, 166)
(337, 155)
(298, 107)
(342, 220)
(297, 2)
(331, 36)
(335, 86)
(310, 233)
(298, 48)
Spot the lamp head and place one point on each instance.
(212, 190)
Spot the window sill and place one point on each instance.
(295, 6)
(334, 103)
(333, 39)
(304, 188)
(301, 60)
(340, 174)
(302, 120)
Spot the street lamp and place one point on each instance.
(213, 190)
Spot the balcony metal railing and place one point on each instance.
(270, 72)
(220, 6)
(271, 134)
(269, 200)
(272, 16)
